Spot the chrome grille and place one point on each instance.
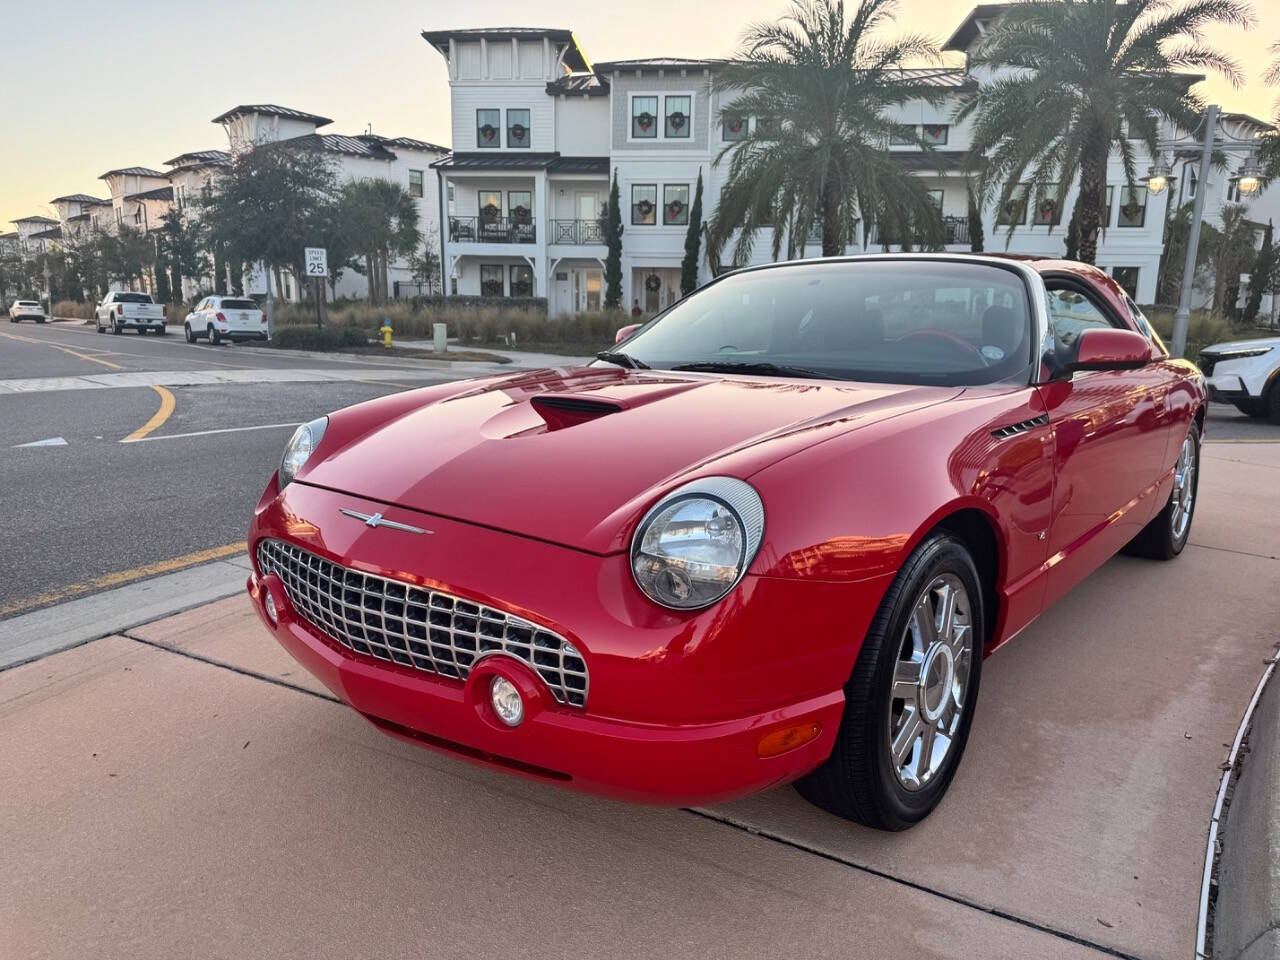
(416, 627)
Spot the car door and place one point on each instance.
(200, 316)
(1109, 441)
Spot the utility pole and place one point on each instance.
(1182, 318)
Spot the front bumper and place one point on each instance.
(1227, 388)
(678, 704)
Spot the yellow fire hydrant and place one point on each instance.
(385, 330)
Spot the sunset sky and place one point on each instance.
(88, 87)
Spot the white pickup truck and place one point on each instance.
(120, 311)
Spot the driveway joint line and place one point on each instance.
(243, 671)
(1241, 553)
(913, 885)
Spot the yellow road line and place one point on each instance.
(167, 403)
(122, 577)
(74, 353)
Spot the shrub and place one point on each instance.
(314, 338)
(466, 321)
(439, 302)
(69, 308)
(1203, 328)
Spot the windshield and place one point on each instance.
(888, 321)
(133, 298)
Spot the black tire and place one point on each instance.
(1250, 408)
(859, 781)
(1157, 541)
(215, 338)
(40, 320)
(187, 332)
(161, 330)
(1272, 399)
(117, 329)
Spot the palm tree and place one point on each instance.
(380, 220)
(820, 87)
(1079, 72)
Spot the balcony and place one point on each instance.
(492, 230)
(582, 232)
(955, 231)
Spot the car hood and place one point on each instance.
(572, 456)
(1233, 345)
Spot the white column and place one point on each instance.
(542, 228)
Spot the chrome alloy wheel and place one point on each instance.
(1184, 489)
(930, 681)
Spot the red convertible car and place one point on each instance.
(768, 537)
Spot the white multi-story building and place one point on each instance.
(402, 160)
(538, 132)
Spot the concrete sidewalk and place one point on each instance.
(185, 789)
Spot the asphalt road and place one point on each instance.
(92, 512)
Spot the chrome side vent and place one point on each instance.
(1013, 429)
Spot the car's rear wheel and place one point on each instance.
(117, 328)
(1167, 533)
(909, 702)
(1272, 400)
(214, 337)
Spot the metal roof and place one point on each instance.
(579, 85)
(579, 165)
(54, 234)
(200, 158)
(36, 219)
(78, 217)
(931, 160)
(405, 143)
(78, 198)
(160, 193)
(134, 172)
(656, 63)
(964, 35)
(10, 236)
(272, 110)
(573, 56)
(497, 161)
(338, 143)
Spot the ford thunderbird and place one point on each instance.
(768, 537)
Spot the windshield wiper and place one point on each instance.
(622, 359)
(762, 367)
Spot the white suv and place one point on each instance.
(225, 318)
(1245, 373)
(26, 310)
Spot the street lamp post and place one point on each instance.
(1182, 318)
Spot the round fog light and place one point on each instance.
(506, 701)
(270, 603)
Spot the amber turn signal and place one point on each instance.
(788, 738)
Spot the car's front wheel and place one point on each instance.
(909, 702)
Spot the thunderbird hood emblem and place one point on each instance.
(377, 520)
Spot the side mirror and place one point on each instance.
(624, 332)
(1109, 350)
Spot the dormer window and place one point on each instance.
(644, 118)
(488, 128)
(678, 121)
(518, 128)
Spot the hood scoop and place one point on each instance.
(560, 410)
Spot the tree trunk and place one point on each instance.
(275, 272)
(832, 235)
(1093, 176)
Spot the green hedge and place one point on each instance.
(314, 338)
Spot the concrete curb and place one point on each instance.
(39, 633)
(1247, 916)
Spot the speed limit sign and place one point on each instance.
(317, 261)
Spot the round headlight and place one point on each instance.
(694, 545)
(299, 449)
